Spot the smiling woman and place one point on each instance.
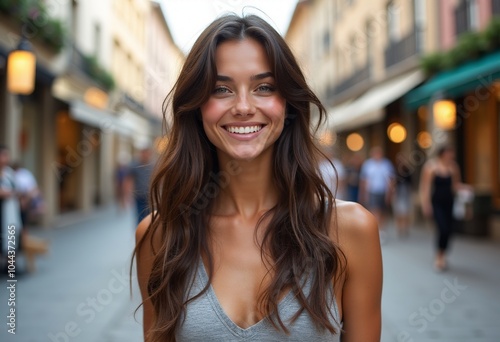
(245, 241)
(245, 113)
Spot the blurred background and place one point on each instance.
(81, 90)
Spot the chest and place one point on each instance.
(240, 275)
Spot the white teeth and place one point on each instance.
(243, 130)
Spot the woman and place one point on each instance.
(402, 203)
(243, 242)
(439, 181)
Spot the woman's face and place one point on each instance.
(245, 113)
(448, 155)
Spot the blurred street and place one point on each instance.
(80, 291)
(459, 305)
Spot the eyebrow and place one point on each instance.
(253, 78)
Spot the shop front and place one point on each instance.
(472, 91)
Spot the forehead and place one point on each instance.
(241, 55)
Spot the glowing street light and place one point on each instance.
(445, 114)
(21, 69)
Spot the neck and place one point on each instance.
(248, 189)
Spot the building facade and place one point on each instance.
(470, 82)
(164, 60)
(365, 61)
(91, 99)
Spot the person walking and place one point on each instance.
(352, 175)
(439, 181)
(402, 204)
(137, 182)
(246, 242)
(377, 185)
(333, 173)
(30, 196)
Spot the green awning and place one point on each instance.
(456, 82)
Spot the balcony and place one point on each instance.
(90, 68)
(357, 77)
(399, 51)
(495, 7)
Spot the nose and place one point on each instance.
(243, 106)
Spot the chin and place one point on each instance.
(245, 154)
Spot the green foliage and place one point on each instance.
(98, 73)
(470, 46)
(35, 22)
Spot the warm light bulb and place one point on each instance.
(355, 142)
(396, 133)
(21, 68)
(445, 113)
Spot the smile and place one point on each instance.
(243, 130)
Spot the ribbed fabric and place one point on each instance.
(206, 321)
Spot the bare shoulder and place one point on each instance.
(354, 223)
(142, 228)
(143, 232)
(147, 243)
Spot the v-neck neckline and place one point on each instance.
(228, 322)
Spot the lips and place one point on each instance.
(243, 129)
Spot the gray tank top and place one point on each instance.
(205, 320)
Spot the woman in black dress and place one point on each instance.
(440, 180)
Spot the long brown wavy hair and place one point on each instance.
(296, 241)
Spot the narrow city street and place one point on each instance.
(80, 291)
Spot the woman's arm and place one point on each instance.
(425, 189)
(457, 180)
(362, 290)
(145, 259)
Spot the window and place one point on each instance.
(74, 18)
(393, 25)
(420, 24)
(473, 14)
(97, 40)
(369, 41)
(326, 40)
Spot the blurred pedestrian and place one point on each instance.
(10, 213)
(352, 176)
(121, 172)
(333, 173)
(439, 181)
(137, 182)
(377, 184)
(243, 222)
(30, 196)
(402, 203)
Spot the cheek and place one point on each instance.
(276, 108)
(210, 112)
